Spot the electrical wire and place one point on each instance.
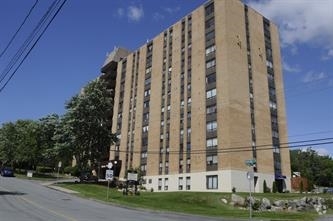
(289, 145)
(34, 44)
(28, 41)
(19, 28)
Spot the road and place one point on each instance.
(26, 200)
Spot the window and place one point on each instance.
(211, 109)
(212, 182)
(145, 117)
(211, 160)
(210, 49)
(147, 92)
(145, 129)
(148, 70)
(189, 101)
(211, 93)
(209, 9)
(166, 183)
(180, 183)
(211, 126)
(160, 184)
(269, 64)
(210, 35)
(210, 23)
(211, 78)
(144, 154)
(210, 63)
(143, 167)
(188, 147)
(272, 105)
(188, 183)
(189, 132)
(146, 104)
(147, 81)
(211, 143)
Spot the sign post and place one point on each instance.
(59, 165)
(109, 177)
(250, 177)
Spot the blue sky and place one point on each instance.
(73, 49)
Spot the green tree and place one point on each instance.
(86, 126)
(46, 132)
(28, 148)
(317, 169)
(8, 143)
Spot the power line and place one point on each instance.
(34, 44)
(27, 42)
(17, 31)
(289, 145)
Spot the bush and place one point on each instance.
(74, 171)
(266, 189)
(233, 189)
(274, 187)
(42, 169)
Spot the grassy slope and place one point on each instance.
(200, 203)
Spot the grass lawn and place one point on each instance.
(199, 203)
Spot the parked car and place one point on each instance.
(7, 171)
(87, 176)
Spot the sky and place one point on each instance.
(76, 44)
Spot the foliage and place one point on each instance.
(316, 168)
(266, 188)
(301, 187)
(274, 187)
(84, 132)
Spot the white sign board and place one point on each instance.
(29, 173)
(59, 164)
(110, 165)
(132, 176)
(109, 175)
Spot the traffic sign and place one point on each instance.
(251, 162)
(110, 165)
(109, 175)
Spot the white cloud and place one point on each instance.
(312, 76)
(158, 16)
(287, 67)
(322, 151)
(171, 10)
(120, 12)
(300, 21)
(328, 55)
(135, 13)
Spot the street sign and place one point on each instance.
(109, 175)
(110, 165)
(59, 164)
(132, 176)
(251, 162)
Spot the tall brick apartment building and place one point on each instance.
(196, 102)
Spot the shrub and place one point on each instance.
(74, 171)
(234, 190)
(42, 169)
(266, 189)
(274, 187)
